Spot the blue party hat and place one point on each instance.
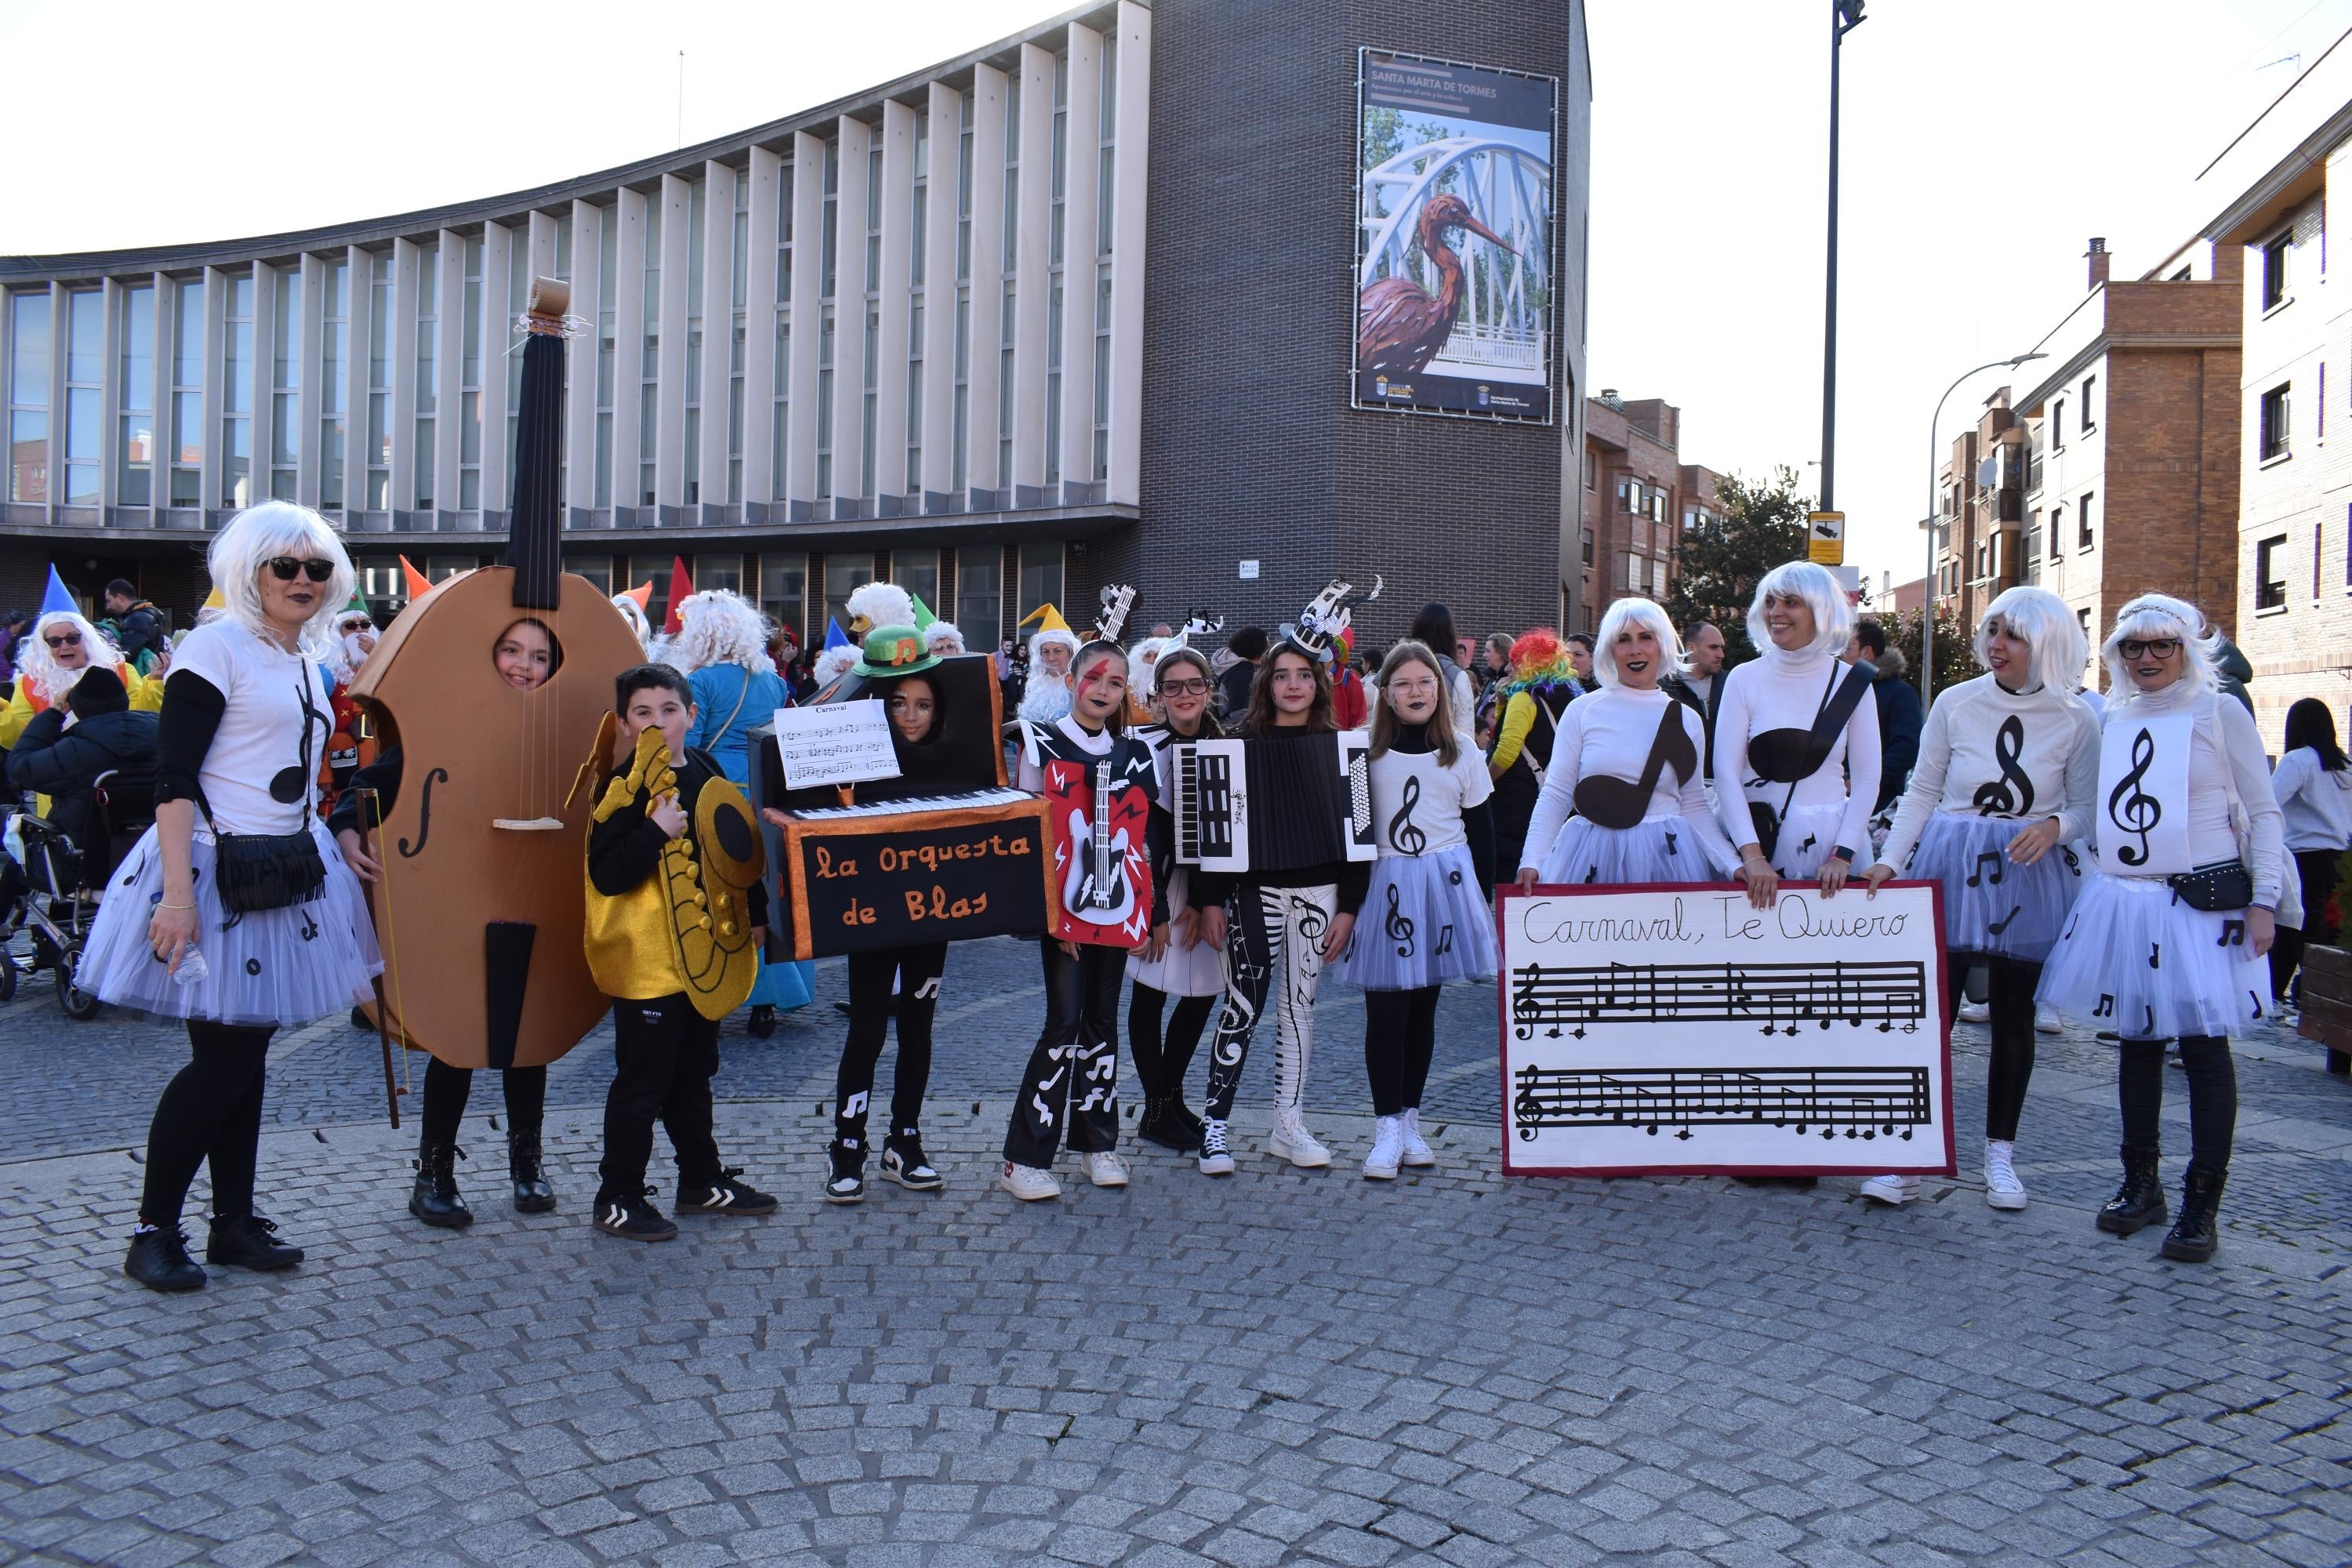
(833, 635)
(56, 600)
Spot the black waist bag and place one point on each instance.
(257, 871)
(2224, 887)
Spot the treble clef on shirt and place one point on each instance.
(2137, 811)
(1994, 799)
(1403, 832)
(1399, 925)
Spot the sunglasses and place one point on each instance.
(2162, 648)
(1192, 688)
(359, 624)
(69, 639)
(284, 567)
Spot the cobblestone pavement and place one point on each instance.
(1283, 1366)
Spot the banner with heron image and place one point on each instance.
(1454, 241)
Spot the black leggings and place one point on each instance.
(1161, 1062)
(2316, 869)
(210, 1111)
(2010, 984)
(1400, 1037)
(447, 1089)
(2213, 1076)
(870, 974)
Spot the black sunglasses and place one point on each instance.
(2162, 648)
(284, 567)
(70, 639)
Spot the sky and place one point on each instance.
(1981, 150)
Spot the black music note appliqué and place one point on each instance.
(1977, 876)
(2131, 808)
(1403, 832)
(1398, 926)
(1996, 798)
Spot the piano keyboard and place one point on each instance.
(966, 800)
(1206, 811)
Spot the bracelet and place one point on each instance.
(175, 906)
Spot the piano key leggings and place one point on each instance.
(1273, 946)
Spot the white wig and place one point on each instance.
(1833, 616)
(716, 627)
(270, 528)
(634, 612)
(1144, 655)
(2153, 615)
(2042, 619)
(1060, 634)
(882, 604)
(39, 667)
(945, 639)
(834, 663)
(1622, 616)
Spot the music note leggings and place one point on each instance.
(1274, 945)
(1069, 1091)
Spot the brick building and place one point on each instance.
(1638, 496)
(2294, 534)
(2128, 449)
(1980, 514)
(907, 334)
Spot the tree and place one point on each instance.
(1759, 524)
(1956, 658)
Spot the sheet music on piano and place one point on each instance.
(1675, 1030)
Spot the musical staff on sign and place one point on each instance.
(1778, 998)
(1860, 1101)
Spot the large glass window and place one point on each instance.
(285, 380)
(825, 406)
(1041, 575)
(828, 241)
(1102, 371)
(378, 495)
(844, 575)
(85, 373)
(1053, 380)
(963, 187)
(1061, 178)
(596, 568)
(236, 392)
(865, 425)
(188, 393)
(383, 584)
(607, 267)
(428, 365)
(470, 375)
(781, 408)
(736, 338)
(697, 194)
(134, 456)
(784, 593)
(918, 572)
(719, 571)
(915, 401)
(1105, 166)
(654, 569)
(649, 360)
(1011, 172)
(334, 345)
(1004, 389)
(979, 594)
(956, 464)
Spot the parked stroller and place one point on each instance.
(49, 883)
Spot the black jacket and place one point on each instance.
(1901, 718)
(1679, 688)
(65, 763)
(139, 630)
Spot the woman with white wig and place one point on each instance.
(1796, 739)
(1627, 761)
(235, 912)
(2167, 941)
(722, 646)
(2008, 766)
(50, 658)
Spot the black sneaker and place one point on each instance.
(903, 1163)
(845, 1182)
(159, 1259)
(633, 1218)
(726, 1196)
(249, 1241)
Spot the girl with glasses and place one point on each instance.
(2168, 940)
(235, 912)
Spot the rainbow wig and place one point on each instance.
(1539, 659)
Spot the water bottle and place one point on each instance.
(193, 967)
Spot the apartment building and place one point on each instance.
(1639, 496)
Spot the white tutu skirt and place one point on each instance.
(274, 966)
(2012, 910)
(1662, 849)
(1809, 836)
(2136, 964)
(1195, 971)
(1423, 924)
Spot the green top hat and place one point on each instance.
(894, 651)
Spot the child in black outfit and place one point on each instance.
(669, 838)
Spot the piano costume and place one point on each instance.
(1627, 763)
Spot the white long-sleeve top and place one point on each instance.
(2056, 748)
(1610, 733)
(2225, 753)
(1784, 692)
(2316, 804)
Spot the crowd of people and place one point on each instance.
(2157, 881)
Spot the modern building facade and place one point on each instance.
(2292, 542)
(1638, 495)
(1978, 512)
(1072, 308)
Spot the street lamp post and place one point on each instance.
(1928, 603)
(1845, 16)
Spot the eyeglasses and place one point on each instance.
(66, 639)
(1193, 688)
(284, 567)
(2162, 648)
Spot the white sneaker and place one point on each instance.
(1388, 1149)
(1975, 1013)
(1106, 1170)
(2002, 1189)
(1029, 1184)
(2046, 1022)
(1292, 1141)
(1216, 1159)
(1894, 1190)
(1418, 1154)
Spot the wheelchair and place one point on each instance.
(49, 883)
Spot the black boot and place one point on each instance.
(1159, 1126)
(762, 1021)
(249, 1241)
(532, 1192)
(1187, 1125)
(435, 1199)
(2194, 1235)
(2139, 1202)
(159, 1259)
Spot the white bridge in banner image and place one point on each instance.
(1503, 328)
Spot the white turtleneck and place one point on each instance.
(2057, 750)
(1784, 692)
(2225, 757)
(1609, 734)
